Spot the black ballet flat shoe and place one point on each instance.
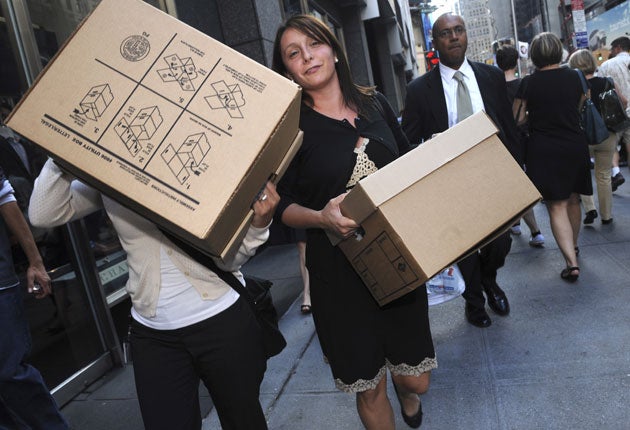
(567, 274)
(414, 421)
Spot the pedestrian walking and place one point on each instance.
(349, 132)
(603, 153)
(557, 161)
(437, 101)
(24, 397)
(188, 325)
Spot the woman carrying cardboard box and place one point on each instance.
(349, 132)
(188, 325)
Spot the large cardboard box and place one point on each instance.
(433, 206)
(161, 117)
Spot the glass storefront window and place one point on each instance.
(54, 21)
(63, 328)
(69, 329)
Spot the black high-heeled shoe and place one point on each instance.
(414, 421)
(567, 274)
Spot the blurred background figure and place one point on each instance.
(617, 68)
(603, 153)
(507, 60)
(281, 234)
(25, 401)
(20, 160)
(306, 294)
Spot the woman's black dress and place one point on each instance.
(359, 338)
(557, 157)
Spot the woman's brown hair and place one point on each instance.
(355, 96)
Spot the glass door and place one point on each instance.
(74, 335)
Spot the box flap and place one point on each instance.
(272, 155)
(415, 165)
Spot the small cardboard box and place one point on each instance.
(166, 120)
(433, 206)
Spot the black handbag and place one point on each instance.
(259, 290)
(256, 293)
(612, 110)
(591, 121)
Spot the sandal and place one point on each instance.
(568, 275)
(305, 309)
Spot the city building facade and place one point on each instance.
(480, 29)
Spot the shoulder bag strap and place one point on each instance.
(585, 90)
(583, 80)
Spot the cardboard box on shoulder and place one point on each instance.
(433, 206)
(164, 119)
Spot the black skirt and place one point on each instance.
(359, 338)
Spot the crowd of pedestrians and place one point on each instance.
(182, 309)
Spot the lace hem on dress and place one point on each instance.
(404, 369)
(361, 384)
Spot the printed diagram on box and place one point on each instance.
(188, 158)
(228, 97)
(142, 127)
(96, 101)
(182, 70)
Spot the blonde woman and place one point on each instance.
(557, 157)
(603, 153)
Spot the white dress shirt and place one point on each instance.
(450, 90)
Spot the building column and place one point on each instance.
(247, 26)
(385, 30)
(356, 45)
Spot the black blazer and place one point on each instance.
(425, 107)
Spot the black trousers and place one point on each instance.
(480, 269)
(225, 352)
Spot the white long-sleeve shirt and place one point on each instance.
(59, 198)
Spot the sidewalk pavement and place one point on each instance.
(560, 360)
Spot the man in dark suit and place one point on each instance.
(20, 159)
(431, 107)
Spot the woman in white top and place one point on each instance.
(188, 325)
